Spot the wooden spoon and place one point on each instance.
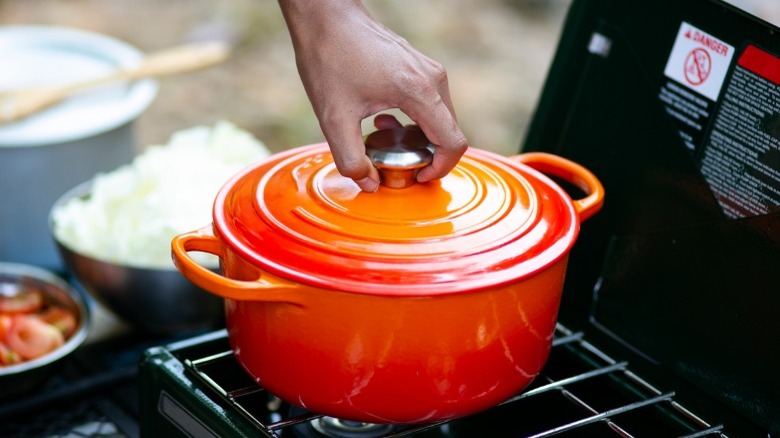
(17, 104)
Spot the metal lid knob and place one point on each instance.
(398, 154)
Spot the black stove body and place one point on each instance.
(667, 326)
(675, 105)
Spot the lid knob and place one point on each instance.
(398, 154)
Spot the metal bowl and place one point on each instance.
(67, 143)
(158, 301)
(26, 376)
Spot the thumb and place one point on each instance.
(349, 154)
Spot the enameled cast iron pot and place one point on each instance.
(406, 305)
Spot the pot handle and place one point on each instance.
(571, 172)
(266, 287)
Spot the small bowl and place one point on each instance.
(156, 301)
(26, 376)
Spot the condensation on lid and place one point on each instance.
(50, 55)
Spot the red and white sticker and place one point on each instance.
(699, 61)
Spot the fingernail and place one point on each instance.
(422, 176)
(368, 185)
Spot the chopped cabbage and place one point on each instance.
(134, 211)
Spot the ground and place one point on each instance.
(496, 52)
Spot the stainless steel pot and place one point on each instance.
(43, 155)
(155, 300)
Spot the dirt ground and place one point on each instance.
(497, 53)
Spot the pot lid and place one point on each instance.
(51, 56)
(491, 221)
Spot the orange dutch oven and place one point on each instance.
(411, 304)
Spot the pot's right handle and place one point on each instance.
(265, 287)
(571, 172)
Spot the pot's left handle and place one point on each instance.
(265, 287)
(570, 172)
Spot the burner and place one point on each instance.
(331, 427)
(334, 427)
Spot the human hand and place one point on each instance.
(353, 67)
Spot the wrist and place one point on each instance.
(318, 24)
(298, 13)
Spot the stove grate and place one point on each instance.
(589, 391)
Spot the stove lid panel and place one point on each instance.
(675, 106)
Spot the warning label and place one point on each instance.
(697, 66)
(699, 61)
(728, 115)
(696, 70)
(741, 154)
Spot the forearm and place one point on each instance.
(352, 67)
(306, 19)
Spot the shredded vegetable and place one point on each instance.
(134, 211)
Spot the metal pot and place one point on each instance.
(416, 304)
(44, 154)
(155, 300)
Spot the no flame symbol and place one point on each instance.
(697, 66)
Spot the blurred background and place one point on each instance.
(496, 52)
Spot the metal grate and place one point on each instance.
(580, 391)
(84, 419)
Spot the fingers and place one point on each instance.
(441, 128)
(352, 162)
(369, 184)
(349, 154)
(449, 141)
(386, 121)
(445, 158)
(435, 114)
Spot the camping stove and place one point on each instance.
(669, 311)
(197, 388)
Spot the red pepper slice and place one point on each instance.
(31, 338)
(61, 318)
(24, 301)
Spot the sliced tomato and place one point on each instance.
(8, 356)
(5, 326)
(59, 317)
(24, 301)
(30, 337)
